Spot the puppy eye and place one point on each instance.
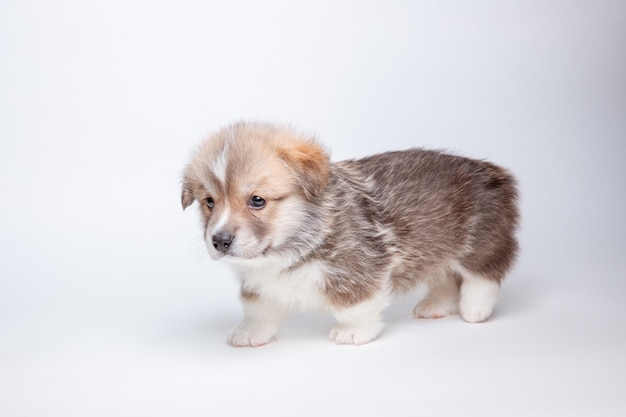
(257, 202)
(210, 202)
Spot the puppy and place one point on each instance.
(302, 233)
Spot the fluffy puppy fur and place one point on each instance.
(302, 233)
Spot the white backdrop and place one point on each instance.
(108, 303)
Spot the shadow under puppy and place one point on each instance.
(302, 233)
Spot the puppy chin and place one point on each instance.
(215, 255)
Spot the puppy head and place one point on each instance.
(253, 182)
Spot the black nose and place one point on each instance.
(222, 241)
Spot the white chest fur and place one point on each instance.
(293, 289)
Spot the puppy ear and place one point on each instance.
(187, 196)
(310, 163)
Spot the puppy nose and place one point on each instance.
(222, 241)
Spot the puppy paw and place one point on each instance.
(478, 297)
(475, 313)
(430, 308)
(252, 336)
(352, 335)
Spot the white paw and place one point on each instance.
(252, 335)
(352, 335)
(430, 308)
(478, 297)
(473, 313)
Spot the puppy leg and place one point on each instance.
(442, 299)
(478, 296)
(259, 325)
(360, 323)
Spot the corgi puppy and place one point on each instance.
(302, 233)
